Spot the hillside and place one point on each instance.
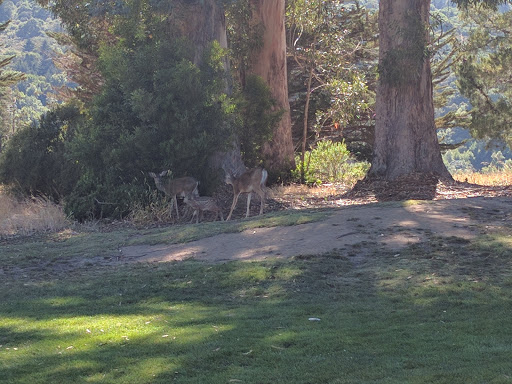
(26, 37)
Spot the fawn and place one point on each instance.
(201, 204)
(182, 186)
(250, 181)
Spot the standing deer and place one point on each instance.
(201, 204)
(182, 186)
(250, 181)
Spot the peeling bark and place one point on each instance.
(405, 134)
(270, 63)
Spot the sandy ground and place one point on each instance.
(389, 225)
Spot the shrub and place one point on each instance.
(257, 119)
(35, 161)
(157, 111)
(331, 162)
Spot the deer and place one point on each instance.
(182, 186)
(201, 204)
(252, 180)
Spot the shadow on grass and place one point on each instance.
(438, 312)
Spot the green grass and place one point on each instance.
(436, 312)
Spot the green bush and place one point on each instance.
(157, 111)
(330, 163)
(35, 160)
(257, 119)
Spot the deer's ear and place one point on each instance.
(163, 173)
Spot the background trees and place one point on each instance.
(25, 39)
(483, 76)
(155, 92)
(332, 73)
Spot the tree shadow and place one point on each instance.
(415, 186)
(311, 319)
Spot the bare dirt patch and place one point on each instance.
(362, 221)
(455, 210)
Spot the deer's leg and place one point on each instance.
(176, 204)
(170, 209)
(248, 203)
(262, 198)
(235, 199)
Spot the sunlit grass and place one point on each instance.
(431, 313)
(436, 312)
(187, 233)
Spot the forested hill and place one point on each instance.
(26, 37)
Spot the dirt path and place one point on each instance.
(390, 225)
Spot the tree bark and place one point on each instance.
(270, 63)
(202, 22)
(405, 134)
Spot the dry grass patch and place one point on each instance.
(303, 196)
(29, 216)
(501, 178)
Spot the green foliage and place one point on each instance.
(459, 160)
(484, 74)
(258, 118)
(331, 163)
(350, 101)
(473, 155)
(35, 159)
(491, 4)
(332, 76)
(26, 39)
(498, 164)
(156, 111)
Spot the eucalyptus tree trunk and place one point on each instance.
(202, 22)
(269, 63)
(405, 133)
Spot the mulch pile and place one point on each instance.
(412, 187)
(422, 187)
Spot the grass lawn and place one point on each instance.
(437, 312)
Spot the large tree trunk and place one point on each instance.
(405, 133)
(270, 63)
(202, 22)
